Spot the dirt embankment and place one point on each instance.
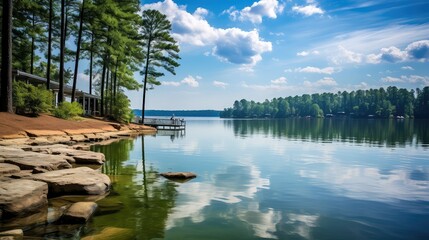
(17, 126)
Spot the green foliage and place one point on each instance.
(66, 110)
(160, 47)
(121, 109)
(29, 99)
(379, 103)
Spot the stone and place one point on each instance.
(109, 205)
(14, 233)
(13, 142)
(21, 196)
(8, 169)
(39, 163)
(91, 137)
(59, 139)
(90, 158)
(111, 233)
(36, 218)
(79, 212)
(75, 181)
(66, 200)
(37, 141)
(80, 156)
(78, 138)
(179, 175)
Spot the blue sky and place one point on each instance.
(263, 49)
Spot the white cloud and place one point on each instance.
(343, 55)
(232, 45)
(415, 51)
(423, 80)
(220, 84)
(272, 86)
(407, 68)
(191, 81)
(240, 47)
(307, 53)
(326, 81)
(392, 80)
(390, 54)
(365, 45)
(308, 10)
(258, 10)
(327, 70)
(278, 34)
(280, 80)
(418, 50)
(167, 83)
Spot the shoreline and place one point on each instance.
(45, 158)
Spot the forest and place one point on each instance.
(111, 39)
(372, 103)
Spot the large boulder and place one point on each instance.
(20, 196)
(81, 180)
(79, 212)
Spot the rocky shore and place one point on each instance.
(39, 168)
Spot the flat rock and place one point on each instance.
(111, 233)
(14, 234)
(80, 156)
(78, 138)
(41, 133)
(13, 142)
(179, 175)
(20, 196)
(79, 212)
(8, 169)
(75, 181)
(59, 139)
(37, 162)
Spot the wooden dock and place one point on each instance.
(165, 124)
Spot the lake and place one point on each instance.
(271, 179)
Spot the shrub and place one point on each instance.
(29, 99)
(121, 109)
(66, 110)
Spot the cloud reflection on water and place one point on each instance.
(233, 185)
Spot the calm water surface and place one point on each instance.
(263, 179)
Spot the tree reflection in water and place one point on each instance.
(390, 132)
(140, 200)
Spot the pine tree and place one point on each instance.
(161, 49)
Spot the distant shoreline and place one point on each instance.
(178, 113)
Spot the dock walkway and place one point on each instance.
(170, 124)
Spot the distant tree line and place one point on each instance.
(377, 103)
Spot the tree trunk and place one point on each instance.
(6, 64)
(102, 88)
(145, 77)
(32, 47)
(115, 83)
(90, 64)
(48, 70)
(107, 90)
(79, 37)
(62, 50)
